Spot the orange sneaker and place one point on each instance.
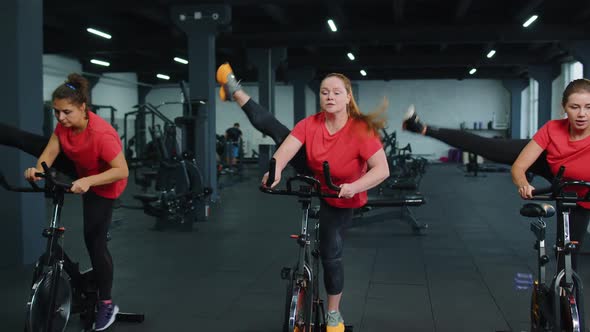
(223, 94)
(334, 322)
(229, 84)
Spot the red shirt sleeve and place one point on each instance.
(542, 136)
(58, 130)
(110, 147)
(299, 131)
(370, 146)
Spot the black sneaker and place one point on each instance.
(412, 122)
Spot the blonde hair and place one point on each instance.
(375, 120)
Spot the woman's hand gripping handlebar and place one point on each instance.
(53, 181)
(313, 187)
(562, 190)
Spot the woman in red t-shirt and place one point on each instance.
(349, 141)
(566, 142)
(94, 147)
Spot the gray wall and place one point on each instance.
(445, 103)
(442, 102)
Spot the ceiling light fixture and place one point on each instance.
(363, 72)
(472, 71)
(181, 60)
(100, 62)
(530, 21)
(163, 77)
(350, 56)
(332, 25)
(491, 54)
(99, 33)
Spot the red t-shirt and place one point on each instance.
(92, 150)
(574, 155)
(347, 152)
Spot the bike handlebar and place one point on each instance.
(53, 181)
(555, 191)
(314, 184)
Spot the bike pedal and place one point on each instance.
(347, 328)
(286, 273)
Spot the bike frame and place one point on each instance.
(304, 264)
(308, 262)
(54, 264)
(565, 280)
(309, 255)
(54, 234)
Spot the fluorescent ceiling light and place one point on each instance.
(332, 25)
(350, 56)
(491, 54)
(530, 21)
(181, 60)
(363, 72)
(472, 71)
(163, 77)
(100, 62)
(99, 33)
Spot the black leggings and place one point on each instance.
(503, 151)
(266, 123)
(97, 210)
(333, 221)
(34, 145)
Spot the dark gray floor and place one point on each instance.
(225, 276)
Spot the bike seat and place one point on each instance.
(537, 210)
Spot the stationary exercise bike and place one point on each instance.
(58, 288)
(304, 309)
(558, 306)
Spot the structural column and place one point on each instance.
(23, 215)
(544, 74)
(315, 88)
(581, 52)
(515, 87)
(140, 128)
(299, 77)
(201, 23)
(266, 61)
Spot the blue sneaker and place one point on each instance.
(106, 315)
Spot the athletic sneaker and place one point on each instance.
(229, 84)
(334, 322)
(105, 316)
(412, 121)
